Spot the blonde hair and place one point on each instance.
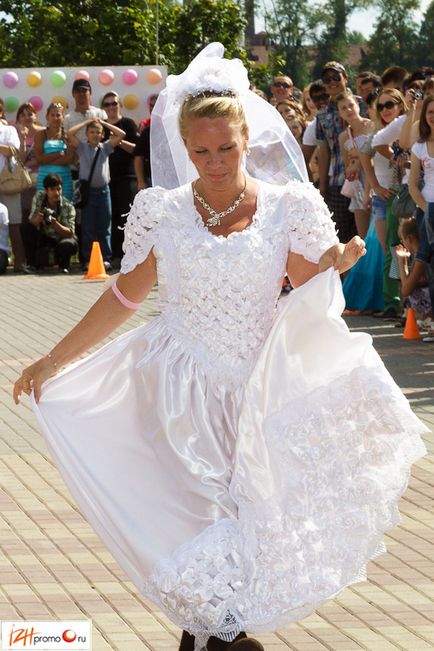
(213, 106)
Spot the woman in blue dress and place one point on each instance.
(53, 152)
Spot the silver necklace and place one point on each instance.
(215, 219)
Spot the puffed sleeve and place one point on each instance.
(142, 227)
(311, 228)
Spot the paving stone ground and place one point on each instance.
(53, 566)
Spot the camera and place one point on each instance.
(417, 94)
(48, 215)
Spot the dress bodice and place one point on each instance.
(218, 295)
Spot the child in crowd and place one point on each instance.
(414, 283)
(96, 211)
(355, 135)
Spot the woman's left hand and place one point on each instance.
(343, 256)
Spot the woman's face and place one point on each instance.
(287, 112)
(216, 147)
(296, 129)
(55, 117)
(430, 116)
(310, 103)
(348, 109)
(388, 108)
(27, 118)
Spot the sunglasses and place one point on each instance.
(281, 84)
(320, 98)
(110, 104)
(386, 105)
(327, 79)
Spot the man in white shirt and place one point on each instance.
(83, 110)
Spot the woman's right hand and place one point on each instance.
(383, 193)
(33, 377)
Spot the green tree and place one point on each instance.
(291, 25)
(97, 32)
(356, 38)
(395, 38)
(334, 41)
(425, 40)
(200, 22)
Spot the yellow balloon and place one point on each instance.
(34, 78)
(131, 102)
(59, 99)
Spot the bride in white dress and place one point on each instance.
(241, 461)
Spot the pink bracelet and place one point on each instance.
(125, 302)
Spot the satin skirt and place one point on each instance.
(243, 509)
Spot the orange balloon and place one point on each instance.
(154, 76)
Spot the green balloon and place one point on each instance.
(11, 104)
(58, 78)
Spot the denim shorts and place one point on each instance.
(378, 209)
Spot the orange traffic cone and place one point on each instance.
(96, 270)
(411, 330)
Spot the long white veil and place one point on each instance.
(275, 155)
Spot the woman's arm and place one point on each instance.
(5, 151)
(413, 182)
(107, 314)
(407, 133)
(410, 280)
(40, 156)
(343, 137)
(368, 168)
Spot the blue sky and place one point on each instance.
(364, 21)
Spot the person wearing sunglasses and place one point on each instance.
(281, 88)
(384, 179)
(329, 125)
(123, 185)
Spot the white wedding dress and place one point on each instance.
(241, 461)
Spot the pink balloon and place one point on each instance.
(37, 102)
(106, 77)
(130, 76)
(82, 74)
(10, 79)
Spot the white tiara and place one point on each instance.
(208, 72)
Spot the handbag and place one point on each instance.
(81, 192)
(350, 189)
(403, 204)
(14, 179)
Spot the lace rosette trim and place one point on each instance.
(140, 233)
(340, 474)
(311, 230)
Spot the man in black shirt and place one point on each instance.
(123, 186)
(142, 152)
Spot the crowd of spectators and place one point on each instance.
(369, 150)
